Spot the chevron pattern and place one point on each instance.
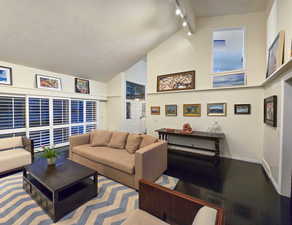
(112, 206)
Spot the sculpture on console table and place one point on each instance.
(187, 129)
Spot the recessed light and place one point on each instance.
(184, 23)
(177, 12)
(189, 33)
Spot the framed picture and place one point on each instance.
(176, 81)
(47, 82)
(135, 91)
(171, 110)
(242, 109)
(82, 86)
(270, 111)
(192, 110)
(217, 109)
(229, 80)
(155, 110)
(128, 110)
(5, 75)
(276, 54)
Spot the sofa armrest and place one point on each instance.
(78, 140)
(28, 145)
(150, 162)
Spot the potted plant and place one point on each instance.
(50, 154)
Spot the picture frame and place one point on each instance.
(82, 86)
(170, 110)
(217, 109)
(48, 82)
(276, 54)
(155, 110)
(192, 110)
(5, 75)
(242, 109)
(270, 111)
(176, 81)
(135, 91)
(229, 80)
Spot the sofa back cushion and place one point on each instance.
(10, 143)
(100, 138)
(147, 140)
(205, 216)
(133, 143)
(118, 140)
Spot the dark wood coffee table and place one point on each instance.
(61, 188)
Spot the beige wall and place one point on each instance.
(180, 53)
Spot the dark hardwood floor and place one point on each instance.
(242, 189)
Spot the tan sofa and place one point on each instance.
(119, 163)
(15, 152)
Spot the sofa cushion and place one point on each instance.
(205, 216)
(111, 157)
(140, 217)
(118, 140)
(13, 159)
(147, 140)
(100, 137)
(10, 143)
(133, 143)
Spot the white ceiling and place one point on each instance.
(225, 7)
(89, 38)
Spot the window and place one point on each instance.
(40, 138)
(228, 50)
(61, 111)
(76, 130)
(61, 135)
(77, 111)
(12, 112)
(90, 111)
(90, 127)
(39, 115)
(19, 134)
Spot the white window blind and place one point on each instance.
(61, 135)
(39, 112)
(19, 134)
(61, 111)
(40, 137)
(90, 111)
(90, 127)
(77, 111)
(76, 130)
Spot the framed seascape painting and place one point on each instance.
(229, 80)
(192, 110)
(82, 86)
(242, 109)
(47, 82)
(171, 110)
(5, 75)
(276, 54)
(155, 110)
(216, 109)
(176, 81)
(270, 111)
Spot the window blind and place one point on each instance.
(39, 112)
(77, 111)
(61, 111)
(90, 127)
(90, 111)
(76, 130)
(61, 135)
(18, 134)
(40, 138)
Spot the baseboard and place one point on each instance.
(267, 170)
(242, 159)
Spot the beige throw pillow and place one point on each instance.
(133, 143)
(118, 140)
(100, 137)
(148, 140)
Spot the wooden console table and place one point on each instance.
(187, 142)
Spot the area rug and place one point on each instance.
(112, 205)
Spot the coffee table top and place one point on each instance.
(63, 174)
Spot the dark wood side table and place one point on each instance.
(61, 188)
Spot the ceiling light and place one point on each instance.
(189, 33)
(184, 23)
(177, 12)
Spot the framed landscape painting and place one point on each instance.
(216, 109)
(155, 110)
(276, 54)
(229, 80)
(82, 86)
(192, 110)
(171, 110)
(47, 82)
(242, 109)
(5, 75)
(176, 81)
(270, 111)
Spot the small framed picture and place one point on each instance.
(82, 86)
(47, 82)
(155, 110)
(192, 110)
(171, 110)
(242, 109)
(217, 109)
(5, 75)
(270, 111)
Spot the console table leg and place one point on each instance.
(217, 148)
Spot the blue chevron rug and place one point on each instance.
(112, 206)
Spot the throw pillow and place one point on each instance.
(118, 139)
(133, 143)
(100, 138)
(148, 140)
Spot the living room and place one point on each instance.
(146, 112)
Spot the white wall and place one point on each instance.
(180, 53)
